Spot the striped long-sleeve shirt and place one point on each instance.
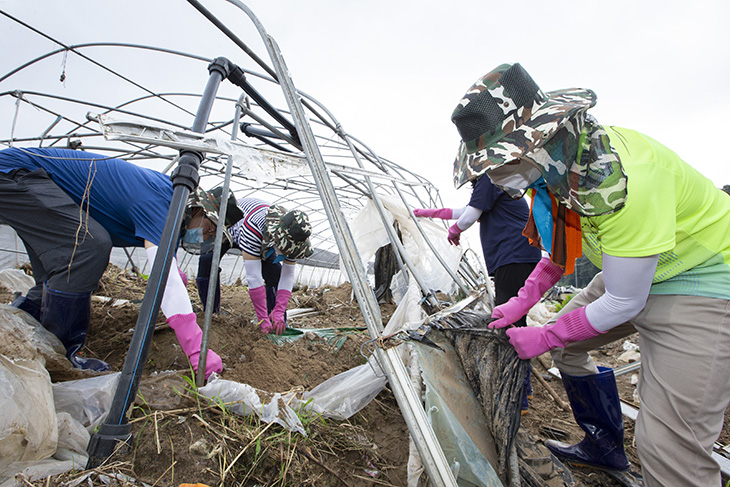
(248, 232)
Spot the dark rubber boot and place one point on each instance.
(596, 408)
(67, 315)
(30, 307)
(202, 285)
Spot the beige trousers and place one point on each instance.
(684, 385)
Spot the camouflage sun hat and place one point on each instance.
(288, 231)
(210, 202)
(506, 115)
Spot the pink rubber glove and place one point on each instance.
(183, 276)
(190, 335)
(277, 314)
(258, 298)
(531, 341)
(542, 278)
(443, 213)
(454, 234)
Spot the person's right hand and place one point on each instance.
(542, 278)
(443, 213)
(509, 312)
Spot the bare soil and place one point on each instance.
(187, 443)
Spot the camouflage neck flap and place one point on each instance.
(581, 169)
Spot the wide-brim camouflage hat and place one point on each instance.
(505, 115)
(287, 231)
(210, 203)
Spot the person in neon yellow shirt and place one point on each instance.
(660, 232)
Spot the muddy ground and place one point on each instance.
(187, 442)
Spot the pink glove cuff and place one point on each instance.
(258, 299)
(282, 300)
(277, 314)
(546, 274)
(443, 213)
(542, 278)
(183, 276)
(531, 341)
(190, 336)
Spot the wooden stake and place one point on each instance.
(561, 404)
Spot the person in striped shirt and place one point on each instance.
(270, 238)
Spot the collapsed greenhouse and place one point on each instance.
(456, 384)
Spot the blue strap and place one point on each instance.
(542, 212)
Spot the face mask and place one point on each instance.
(194, 236)
(514, 176)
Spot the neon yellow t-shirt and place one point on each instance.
(671, 210)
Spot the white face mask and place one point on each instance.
(515, 176)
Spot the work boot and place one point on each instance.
(30, 307)
(202, 285)
(597, 410)
(67, 315)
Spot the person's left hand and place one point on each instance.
(531, 341)
(454, 234)
(277, 314)
(278, 326)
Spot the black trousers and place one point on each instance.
(270, 271)
(508, 280)
(67, 248)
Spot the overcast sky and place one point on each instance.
(392, 71)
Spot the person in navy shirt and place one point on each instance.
(508, 255)
(69, 208)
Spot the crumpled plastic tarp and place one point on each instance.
(44, 427)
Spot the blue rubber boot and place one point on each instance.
(202, 285)
(67, 315)
(30, 307)
(596, 408)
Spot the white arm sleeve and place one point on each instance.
(286, 281)
(628, 282)
(175, 300)
(457, 212)
(469, 216)
(253, 273)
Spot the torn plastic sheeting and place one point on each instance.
(87, 400)
(16, 281)
(42, 430)
(261, 165)
(455, 415)
(243, 399)
(345, 394)
(495, 373)
(334, 336)
(28, 425)
(369, 235)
